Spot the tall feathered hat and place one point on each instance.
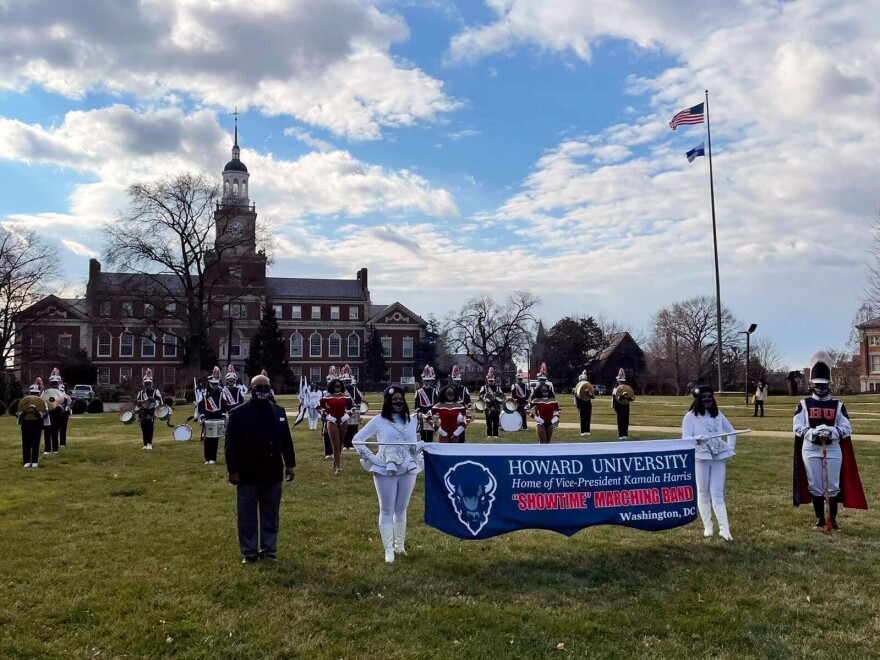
(37, 386)
(332, 374)
(542, 372)
(148, 376)
(55, 376)
(265, 373)
(456, 373)
(621, 375)
(346, 374)
(490, 375)
(820, 368)
(231, 373)
(427, 373)
(583, 376)
(215, 375)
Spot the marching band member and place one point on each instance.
(312, 401)
(325, 432)
(824, 455)
(212, 407)
(489, 395)
(542, 379)
(620, 409)
(394, 467)
(146, 414)
(336, 407)
(357, 399)
(51, 431)
(233, 392)
(425, 398)
(31, 422)
(711, 454)
(584, 408)
(449, 415)
(462, 394)
(520, 393)
(36, 389)
(545, 411)
(63, 416)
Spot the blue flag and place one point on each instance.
(476, 491)
(696, 152)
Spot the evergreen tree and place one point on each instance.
(268, 349)
(374, 360)
(78, 368)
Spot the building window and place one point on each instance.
(149, 309)
(168, 376)
(407, 347)
(124, 375)
(334, 313)
(171, 308)
(296, 312)
(236, 345)
(126, 345)
(65, 343)
(169, 346)
(148, 347)
(316, 311)
(106, 309)
(105, 343)
(296, 345)
(386, 346)
(353, 313)
(315, 345)
(356, 373)
(235, 310)
(315, 375)
(875, 364)
(335, 344)
(407, 371)
(104, 376)
(296, 372)
(874, 340)
(36, 344)
(354, 346)
(279, 311)
(128, 310)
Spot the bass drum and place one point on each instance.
(510, 422)
(182, 433)
(364, 408)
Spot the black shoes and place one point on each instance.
(249, 560)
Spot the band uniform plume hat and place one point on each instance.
(820, 368)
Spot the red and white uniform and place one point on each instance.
(545, 410)
(334, 406)
(450, 417)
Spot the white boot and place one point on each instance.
(721, 515)
(386, 531)
(705, 507)
(399, 537)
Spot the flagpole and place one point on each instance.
(715, 245)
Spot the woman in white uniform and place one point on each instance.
(712, 453)
(394, 467)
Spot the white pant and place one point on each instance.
(812, 455)
(313, 418)
(394, 493)
(711, 476)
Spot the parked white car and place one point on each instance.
(82, 392)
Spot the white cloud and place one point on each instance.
(326, 62)
(78, 248)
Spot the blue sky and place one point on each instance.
(464, 147)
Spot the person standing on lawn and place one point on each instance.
(259, 453)
(761, 393)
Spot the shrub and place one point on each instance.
(168, 400)
(2, 408)
(180, 402)
(79, 406)
(189, 396)
(13, 406)
(95, 406)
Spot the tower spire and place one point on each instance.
(235, 115)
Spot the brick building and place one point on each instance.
(869, 352)
(120, 321)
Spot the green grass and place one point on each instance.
(108, 551)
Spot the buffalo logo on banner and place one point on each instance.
(471, 488)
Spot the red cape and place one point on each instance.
(851, 492)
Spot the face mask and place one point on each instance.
(261, 392)
(707, 402)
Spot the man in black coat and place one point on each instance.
(259, 453)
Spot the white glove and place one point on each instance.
(555, 420)
(458, 431)
(362, 450)
(808, 435)
(345, 418)
(460, 419)
(442, 433)
(331, 419)
(420, 446)
(539, 421)
(835, 434)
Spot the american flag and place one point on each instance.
(689, 116)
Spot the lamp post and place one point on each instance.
(748, 334)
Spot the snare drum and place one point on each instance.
(126, 417)
(509, 406)
(163, 412)
(182, 433)
(364, 408)
(214, 428)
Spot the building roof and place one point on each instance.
(377, 311)
(873, 323)
(609, 350)
(304, 288)
(138, 282)
(235, 165)
(78, 304)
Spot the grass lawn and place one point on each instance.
(108, 551)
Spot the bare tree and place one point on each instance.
(492, 333)
(170, 243)
(844, 370)
(766, 357)
(25, 268)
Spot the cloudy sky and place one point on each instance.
(456, 147)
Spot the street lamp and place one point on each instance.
(748, 334)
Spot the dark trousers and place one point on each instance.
(622, 421)
(427, 435)
(210, 446)
(50, 439)
(30, 440)
(757, 405)
(259, 506)
(349, 436)
(586, 414)
(62, 428)
(521, 409)
(147, 427)
(461, 437)
(492, 419)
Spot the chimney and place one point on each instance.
(362, 279)
(94, 268)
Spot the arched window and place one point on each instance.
(335, 343)
(354, 346)
(235, 187)
(126, 345)
(244, 188)
(296, 345)
(315, 345)
(226, 187)
(105, 342)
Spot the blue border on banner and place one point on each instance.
(480, 491)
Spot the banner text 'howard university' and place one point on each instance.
(479, 491)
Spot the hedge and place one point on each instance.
(13, 406)
(79, 406)
(95, 406)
